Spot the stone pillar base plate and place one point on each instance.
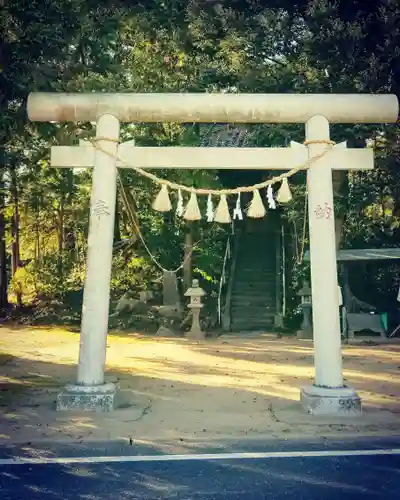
(336, 402)
(196, 335)
(100, 398)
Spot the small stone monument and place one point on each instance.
(195, 293)
(171, 306)
(170, 290)
(306, 329)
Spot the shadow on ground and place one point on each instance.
(182, 391)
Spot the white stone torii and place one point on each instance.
(328, 395)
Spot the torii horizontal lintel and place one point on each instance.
(214, 107)
(210, 158)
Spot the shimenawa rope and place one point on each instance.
(219, 192)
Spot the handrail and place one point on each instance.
(226, 321)
(222, 280)
(280, 302)
(224, 274)
(283, 272)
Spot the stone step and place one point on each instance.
(254, 276)
(243, 280)
(252, 326)
(244, 306)
(257, 247)
(262, 287)
(253, 291)
(259, 255)
(256, 236)
(262, 241)
(254, 266)
(261, 300)
(267, 328)
(252, 312)
(257, 280)
(251, 263)
(266, 320)
(253, 315)
(246, 301)
(256, 302)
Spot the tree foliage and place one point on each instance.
(174, 45)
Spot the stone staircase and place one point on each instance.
(253, 304)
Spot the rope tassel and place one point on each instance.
(162, 203)
(222, 214)
(284, 194)
(256, 209)
(192, 211)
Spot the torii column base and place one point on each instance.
(333, 402)
(97, 398)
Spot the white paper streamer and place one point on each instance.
(179, 207)
(270, 197)
(210, 209)
(237, 213)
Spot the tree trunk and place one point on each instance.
(61, 213)
(3, 254)
(37, 241)
(15, 223)
(117, 228)
(188, 254)
(132, 213)
(340, 188)
(16, 256)
(339, 221)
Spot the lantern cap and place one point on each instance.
(195, 290)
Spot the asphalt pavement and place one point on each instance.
(251, 470)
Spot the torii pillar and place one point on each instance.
(328, 395)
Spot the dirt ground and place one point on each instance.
(195, 393)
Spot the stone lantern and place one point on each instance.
(195, 292)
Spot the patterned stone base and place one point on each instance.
(322, 401)
(87, 398)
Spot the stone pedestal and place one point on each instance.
(195, 293)
(87, 398)
(278, 321)
(306, 328)
(195, 331)
(334, 402)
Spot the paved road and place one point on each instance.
(113, 471)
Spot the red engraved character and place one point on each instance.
(323, 213)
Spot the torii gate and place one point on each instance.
(328, 395)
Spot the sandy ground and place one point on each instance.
(196, 393)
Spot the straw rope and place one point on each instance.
(218, 192)
(205, 192)
(132, 218)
